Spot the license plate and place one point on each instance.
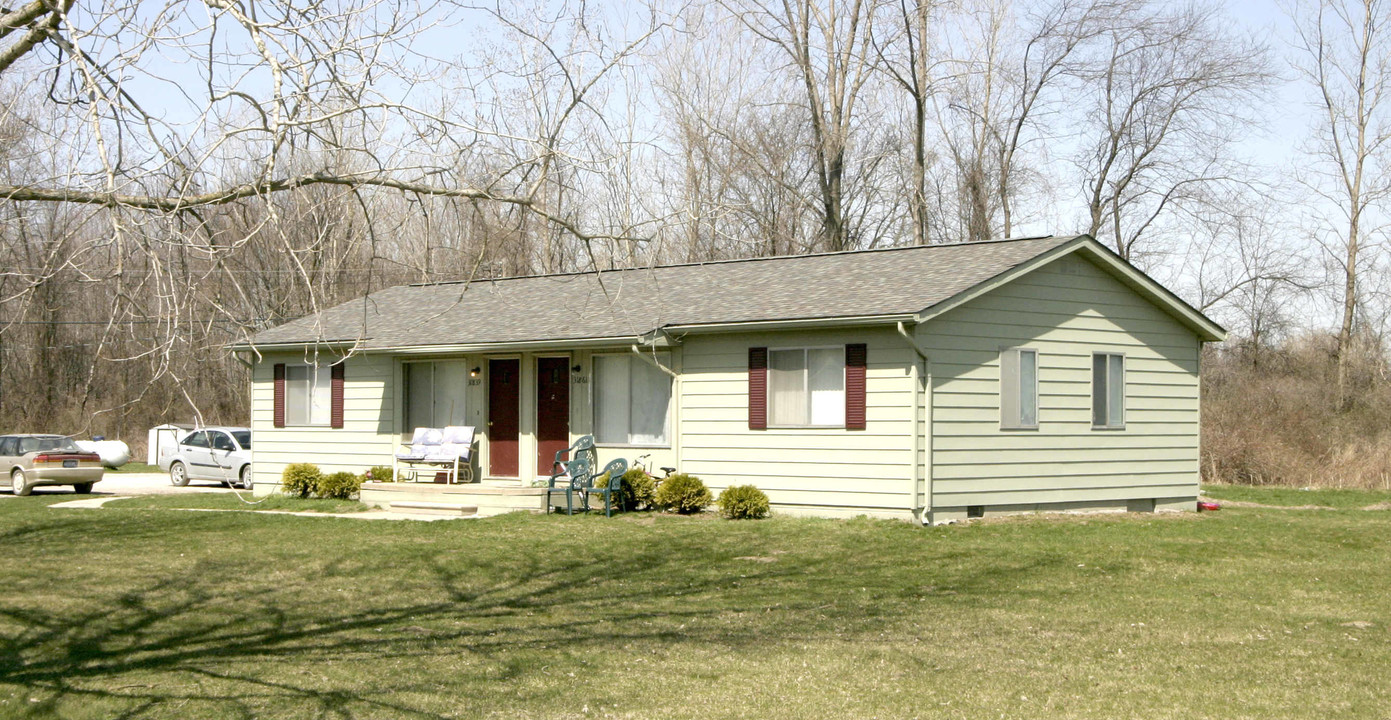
(69, 463)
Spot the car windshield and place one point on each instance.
(243, 439)
(44, 444)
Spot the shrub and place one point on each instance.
(300, 479)
(339, 485)
(638, 488)
(683, 494)
(743, 502)
(377, 473)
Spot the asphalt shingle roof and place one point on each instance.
(627, 303)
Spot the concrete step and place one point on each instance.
(432, 508)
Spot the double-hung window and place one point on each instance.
(632, 401)
(1108, 391)
(806, 387)
(308, 395)
(1019, 389)
(435, 394)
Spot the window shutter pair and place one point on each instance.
(856, 360)
(335, 391)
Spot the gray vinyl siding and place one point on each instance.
(1067, 310)
(830, 471)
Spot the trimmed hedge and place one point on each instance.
(339, 485)
(301, 479)
(743, 502)
(684, 494)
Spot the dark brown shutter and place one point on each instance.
(280, 394)
(336, 402)
(758, 388)
(856, 358)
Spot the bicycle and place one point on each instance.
(641, 462)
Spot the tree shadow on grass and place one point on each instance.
(193, 637)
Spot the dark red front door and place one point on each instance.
(504, 386)
(552, 410)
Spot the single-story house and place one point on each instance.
(925, 383)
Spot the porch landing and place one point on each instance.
(488, 499)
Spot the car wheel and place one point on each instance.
(82, 488)
(19, 484)
(178, 474)
(246, 480)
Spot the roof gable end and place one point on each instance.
(1109, 262)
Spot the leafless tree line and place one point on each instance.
(179, 175)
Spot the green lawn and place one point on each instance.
(139, 613)
(238, 501)
(1295, 497)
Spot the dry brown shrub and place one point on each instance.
(1274, 417)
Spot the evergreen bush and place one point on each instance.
(638, 489)
(300, 479)
(743, 502)
(684, 494)
(377, 473)
(339, 485)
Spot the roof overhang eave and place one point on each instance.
(797, 324)
(245, 346)
(522, 345)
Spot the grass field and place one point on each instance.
(239, 501)
(159, 613)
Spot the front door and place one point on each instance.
(504, 404)
(552, 411)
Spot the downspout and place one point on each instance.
(922, 485)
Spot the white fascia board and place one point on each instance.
(766, 325)
(575, 343)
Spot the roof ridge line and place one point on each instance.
(729, 261)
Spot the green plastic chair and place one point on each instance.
(614, 470)
(576, 476)
(583, 448)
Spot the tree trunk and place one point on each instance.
(1349, 307)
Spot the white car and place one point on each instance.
(216, 453)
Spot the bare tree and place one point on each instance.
(1169, 92)
(828, 47)
(903, 42)
(1344, 58)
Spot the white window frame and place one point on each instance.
(1111, 423)
(665, 359)
(406, 373)
(1012, 413)
(806, 368)
(317, 375)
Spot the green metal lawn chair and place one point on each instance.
(614, 472)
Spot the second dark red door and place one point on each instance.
(552, 410)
